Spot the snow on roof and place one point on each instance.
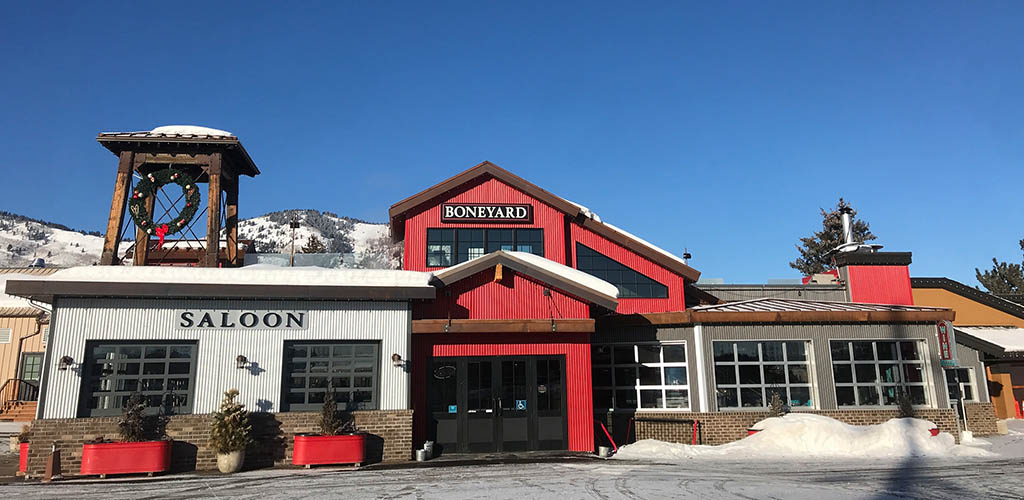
(249, 275)
(584, 279)
(592, 215)
(189, 130)
(777, 305)
(1009, 338)
(10, 300)
(586, 211)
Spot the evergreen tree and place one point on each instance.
(1003, 277)
(813, 249)
(314, 246)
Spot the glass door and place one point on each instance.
(31, 370)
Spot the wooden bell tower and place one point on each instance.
(205, 156)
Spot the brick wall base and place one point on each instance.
(724, 427)
(981, 418)
(389, 439)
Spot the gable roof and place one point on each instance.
(997, 303)
(580, 215)
(564, 278)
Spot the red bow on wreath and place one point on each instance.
(161, 232)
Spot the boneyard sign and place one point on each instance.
(202, 319)
(487, 212)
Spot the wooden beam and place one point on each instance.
(423, 326)
(142, 237)
(231, 222)
(117, 204)
(213, 211)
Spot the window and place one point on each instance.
(163, 373)
(872, 372)
(646, 376)
(352, 370)
(446, 247)
(960, 382)
(747, 373)
(631, 283)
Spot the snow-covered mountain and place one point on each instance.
(23, 239)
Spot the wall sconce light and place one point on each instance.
(65, 362)
(241, 362)
(396, 360)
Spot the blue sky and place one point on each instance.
(721, 127)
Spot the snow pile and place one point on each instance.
(799, 436)
(189, 130)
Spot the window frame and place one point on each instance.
(636, 386)
(926, 383)
(811, 384)
(89, 361)
(620, 284)
(456, 251)
(286, 374)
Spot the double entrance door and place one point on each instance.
(497, 403)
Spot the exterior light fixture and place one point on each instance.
(396, 360)
(241, 362)
(65, 362)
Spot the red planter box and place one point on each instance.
(319, 450)
(22, 457)
(126, 458)
(751, 432)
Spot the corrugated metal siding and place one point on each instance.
(674, 282)
(970, 358)
(575, 347)
(880, 284)
(79, 320)
(489, 190)
(820, 335)
(514, 297)
(21, 327)
(737, 293)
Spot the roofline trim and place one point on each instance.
(998, 303)
(719, 317)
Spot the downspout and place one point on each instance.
(698, 344)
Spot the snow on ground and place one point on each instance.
(799, 436)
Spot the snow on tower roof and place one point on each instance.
(189, 130)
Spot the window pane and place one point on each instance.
(602, 376)
(727, 398)
(775, 374)
(771, 351)
(887, 350)
(675, 375)
(917, 394)
(842, 373)
(867, 395)
(863, 351)
(677, 399)
(725, 374)
(840, 351)
(746, 351)
(890, 373)
(968, 392)
(601, 355)
(602, 398)
(650, 398)
(625, 375)
(800, 396)
(723, 351)
(844, 396)
(865, 373)
(750, 374)
(625, 399)
(156, 352)
(909, 350)
(798, 374)
(624, 354)
(674, 353)
(751, 397)
(649, 353)
(153, 368)
(650, 375)
(796, 351)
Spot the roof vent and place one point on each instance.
(849, 245)
(38, 262)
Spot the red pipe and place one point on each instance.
(629, 429)
(603, 428)
(694, 440)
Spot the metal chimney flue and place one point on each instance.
(846, 213)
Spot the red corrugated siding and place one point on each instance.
(575, 347)
(880, 284)
(489, 190)
(514, 297)
(674, 282)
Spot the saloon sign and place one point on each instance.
(520, 213)
(201, 319)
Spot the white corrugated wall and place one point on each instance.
(81, 320)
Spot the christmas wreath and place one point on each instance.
(148, 187)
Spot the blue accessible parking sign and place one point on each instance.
(520, 404)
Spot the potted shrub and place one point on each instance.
(776, 408)
(142, 448)
(339, 442)
(22, 438)
(230, 433)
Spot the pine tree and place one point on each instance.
(314, 246)
(231, 427)
(1003, 278)
(814, 248)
